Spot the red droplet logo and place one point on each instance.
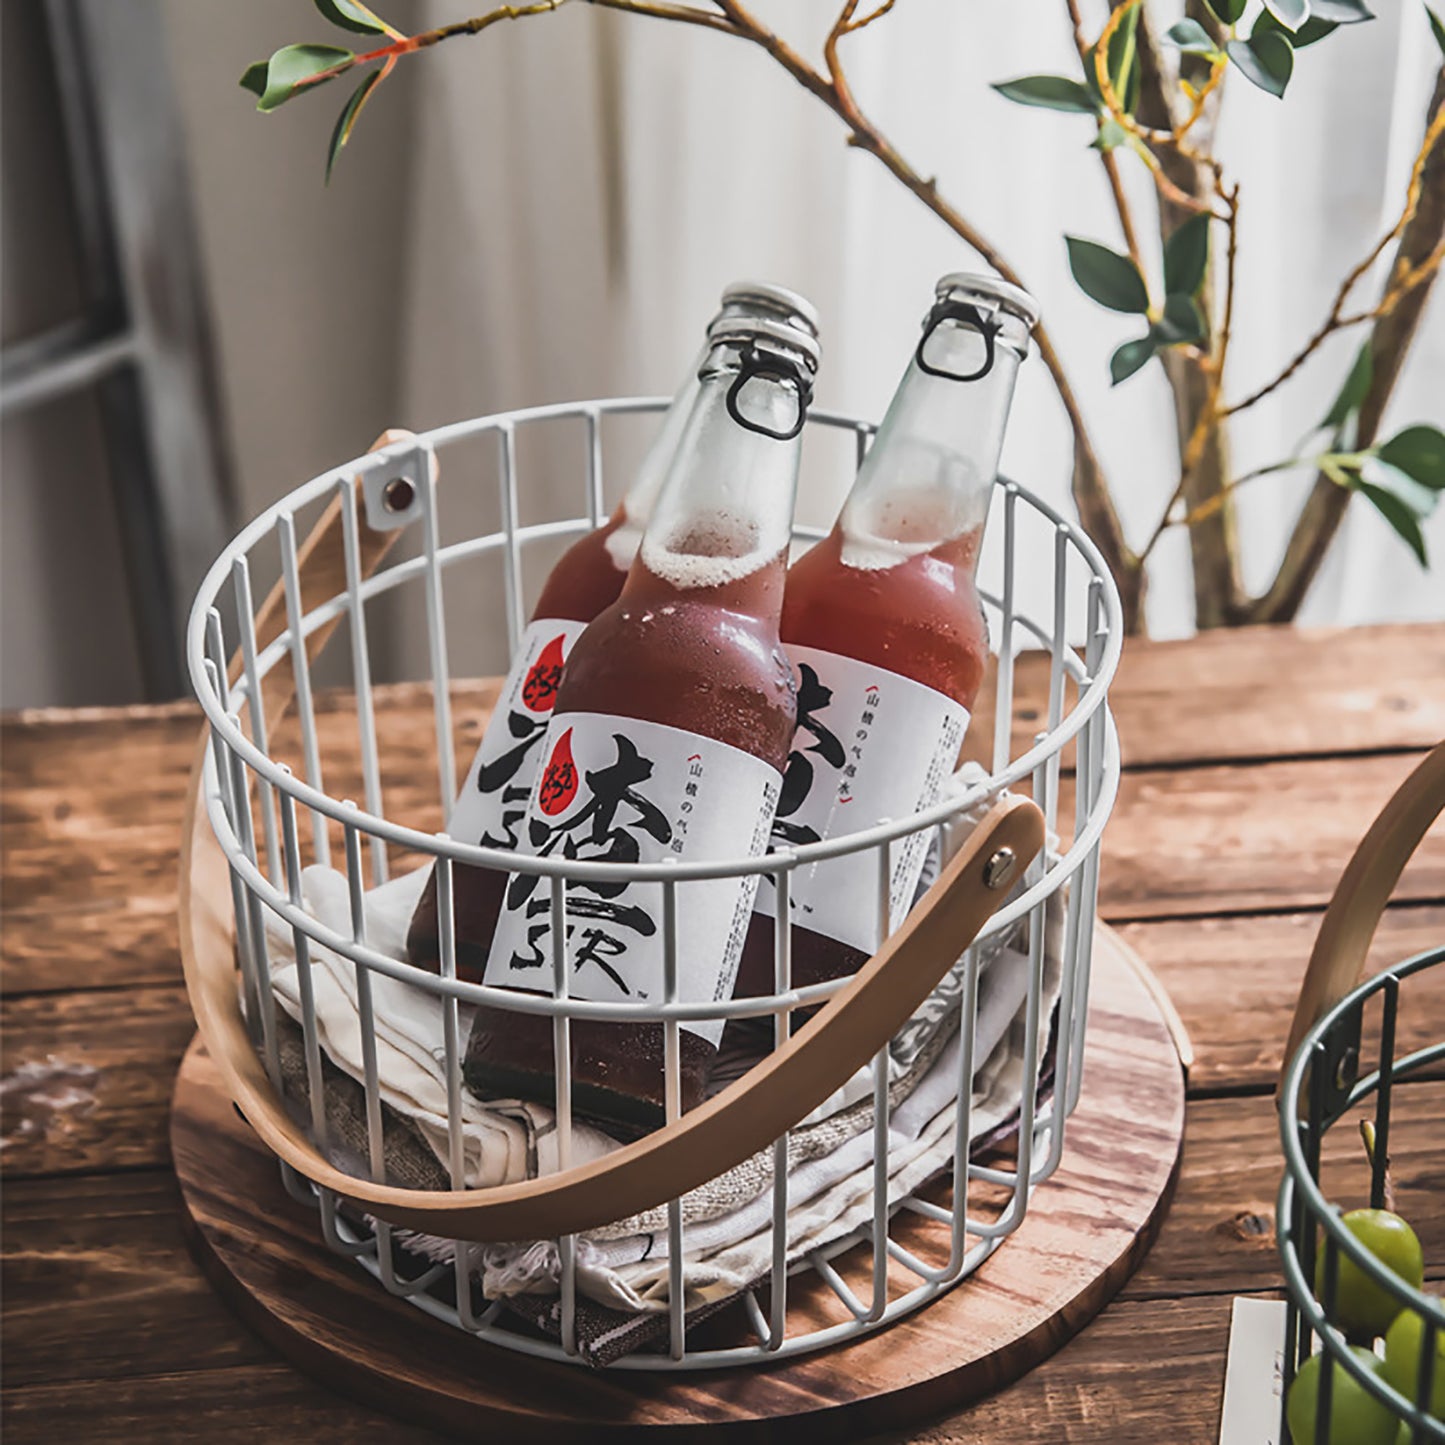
(559, 779)
(539, 691)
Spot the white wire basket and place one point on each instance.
(250, 801)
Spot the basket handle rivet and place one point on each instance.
(398, 494)
(998, 872)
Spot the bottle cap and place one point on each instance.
(988, 293)
(772, 300)
(765, 334)
(995, 312)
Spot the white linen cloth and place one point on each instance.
(727, 1234)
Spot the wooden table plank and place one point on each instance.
(98, 1284)
(1219, 971)
(1280, 692)
(89, 1077)
(1219, 1236)
(1272, 836)
(1140, 1369)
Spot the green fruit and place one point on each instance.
(1363, 1307)
(1356, 1416)
(1402, 1360)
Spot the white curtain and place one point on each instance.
(585, 183)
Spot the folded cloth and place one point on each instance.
(727, 1222)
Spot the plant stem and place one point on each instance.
(1324, 509)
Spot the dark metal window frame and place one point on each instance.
(142, 341)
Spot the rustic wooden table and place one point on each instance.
(1254, 761)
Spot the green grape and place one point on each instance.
(1402, 1359)
(1356, 1416)
(1363, 1307)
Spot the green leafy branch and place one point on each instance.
(1156, 111)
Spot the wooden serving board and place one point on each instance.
(1085, 1232)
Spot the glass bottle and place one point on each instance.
(669, 738)
(585, 580)
(884, 624)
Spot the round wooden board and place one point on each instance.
(1085, 1232)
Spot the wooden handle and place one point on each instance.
(1337, 962)
(705, 1142)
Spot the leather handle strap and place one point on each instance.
(1337, 961)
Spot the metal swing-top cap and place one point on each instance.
(764, 333)
(772, 300)
(1000, 314)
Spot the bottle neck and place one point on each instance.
(928, 477)
(722, 520)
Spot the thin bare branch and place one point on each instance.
(1402, 281)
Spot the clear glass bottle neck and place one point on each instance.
(652, 472)
(928, 476)
(725, 510)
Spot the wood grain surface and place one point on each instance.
(1084, 1231)
(110, 1335)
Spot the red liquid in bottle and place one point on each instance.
(584, 582)
(679, 705)
(883, 620)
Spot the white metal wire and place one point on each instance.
(1082, 589)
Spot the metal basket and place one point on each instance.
(1323, 1083)
(244, 855)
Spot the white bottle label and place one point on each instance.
(870, 746)
(620, 790)
(493, 800)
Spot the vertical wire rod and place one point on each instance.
(365, 1008)
(881, 1062)
(361, 673)
(562, 1057)
(436, 627)
(1057, 652)
(261, 958)
(225, 788)
(256, 709)
(672, 1096)
(301, 669)
(451, 1026)
(782, 984)
(1004, 704)
(511, 557)
(963, 1119)
(315, 1083)
(594, 468)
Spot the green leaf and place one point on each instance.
(1342, 12)
(1438, 27)
(1107, 277)
(1399, 516)
(1419, 452)
(347, 119)
(352, 15)
(288, 68)
(1352, 393)
(1267, 60)
(1290, 13)
(1182, 320)
(1111, 135)
(1191, 37)
(1052, 92)
(254, 79)
(1313, 29)
(1228, 10)
(1130, 357)
(1186, 254)
(1420, 499)
(1124, 60)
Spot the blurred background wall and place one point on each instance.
(550, 209)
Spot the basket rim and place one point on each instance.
(206, 679)
(1297, 1177)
